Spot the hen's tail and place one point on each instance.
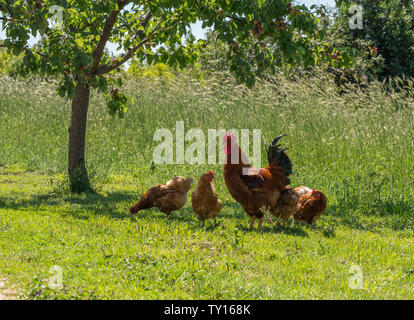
(277, 156)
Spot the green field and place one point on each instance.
(355, 145)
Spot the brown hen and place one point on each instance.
(311, 205)
(166, 197)
(204, 200)
(286, 205)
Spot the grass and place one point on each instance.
(356, 146)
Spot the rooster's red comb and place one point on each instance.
(210, 172)
(229, 136)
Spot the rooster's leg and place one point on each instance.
(252, 220)
(259, 225)
(277, 222)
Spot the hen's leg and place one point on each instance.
(215, 222)
(252, 220)
(259, 226)
(293, 223)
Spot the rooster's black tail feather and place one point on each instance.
(278, 156)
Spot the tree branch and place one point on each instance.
(106, 33)
(6, 11)
(6, 19)
(234, 18)
(27, 49)
(128, 55)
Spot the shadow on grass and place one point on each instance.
(394, 214)
(79, 206)
(284, 229)
(235, 207)
(185, 214)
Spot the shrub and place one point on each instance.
(155, 71)
(388, 33)
(6, 61)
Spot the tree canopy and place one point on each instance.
(388, 26)
(152, 31)
(260, 35)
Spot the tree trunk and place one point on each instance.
(78, 176)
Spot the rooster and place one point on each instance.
(166, 197)
(311, 205)
(257, 190)
(204, 200)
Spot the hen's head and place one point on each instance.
(210, 175)
(133, 210)
(207, 177)
(315, 195)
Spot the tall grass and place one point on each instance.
(355, 144)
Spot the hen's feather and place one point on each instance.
(204, 200)
(286, 205)
(166, 197)
(311, 205)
